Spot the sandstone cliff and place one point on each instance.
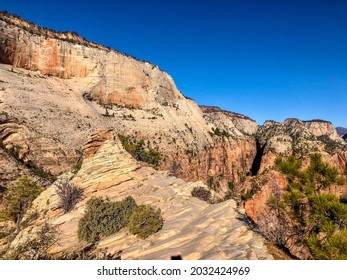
(57, 88)
(192, 229)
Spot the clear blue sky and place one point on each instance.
(262, 58)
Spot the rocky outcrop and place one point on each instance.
(292, 137)
(192, 229)
(320, 128)
(301, 138)
(57, 88)
(234, 124)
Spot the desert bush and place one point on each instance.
(104, 218)
(138, 151)
(343, 198)
(69, 194)
(145, 221)
(202, 193)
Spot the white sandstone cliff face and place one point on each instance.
(117, 79)
(58, 88)
(236, 125)
(322, 128)
(301, 138)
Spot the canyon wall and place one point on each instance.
(59, 88)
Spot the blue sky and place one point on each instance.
(267, 59)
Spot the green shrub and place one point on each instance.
(145, 221)
(37, 247)
(343, 198)
(202, 193)
(138, 151)
(104, 218)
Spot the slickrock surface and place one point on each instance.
(193, 228)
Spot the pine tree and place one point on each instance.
(18, 198)
(321, 216)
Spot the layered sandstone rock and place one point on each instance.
(322, 128)
(192, 229)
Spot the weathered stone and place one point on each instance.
(192, 229)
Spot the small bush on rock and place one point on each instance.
(145, 221)
(202, 193)
(104, 218)
(68, 193)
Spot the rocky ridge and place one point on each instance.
(193, 228)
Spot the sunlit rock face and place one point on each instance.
(193, 229)
(58, 88)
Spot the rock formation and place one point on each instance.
(57, 89)
(292, 137)
(193, 228)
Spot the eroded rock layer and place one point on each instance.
(192, 229)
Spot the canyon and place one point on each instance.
(63, 103)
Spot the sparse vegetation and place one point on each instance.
(36, 248)
(13, 151)
(77, 166)
(104, 218)
(69, 194)
(145, 220)
(18, 198)
(221, 133)
(40, 171)
(330, 145)
(138, 150)
(202, 193)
